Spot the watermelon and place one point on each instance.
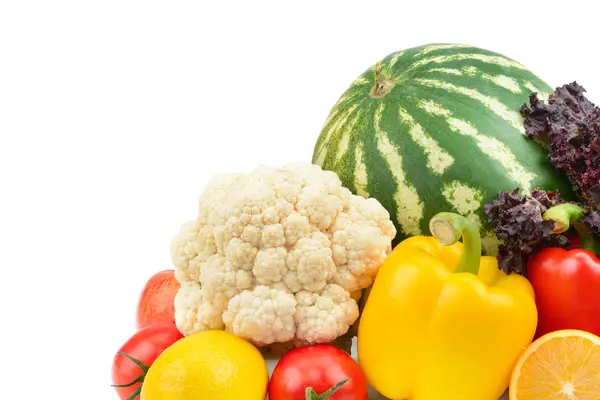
(437, 128)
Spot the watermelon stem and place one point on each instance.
(383, 81)
(448, 228)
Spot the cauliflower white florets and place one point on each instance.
(278, 255)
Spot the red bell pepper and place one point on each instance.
(575, 242)
(567, 290)
(566, 282)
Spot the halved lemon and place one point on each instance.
(561, 365)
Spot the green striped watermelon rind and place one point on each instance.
(443, 133)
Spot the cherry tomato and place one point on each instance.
(319, 367)
(137, 354)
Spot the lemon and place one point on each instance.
(208, 365)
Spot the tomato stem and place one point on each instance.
(140, 364)
(312, 395)
(136, 393)
(139, 379)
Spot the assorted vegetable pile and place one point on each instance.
(449, 222)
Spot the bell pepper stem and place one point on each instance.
(568, 215)
(563, 216)
(448, 228)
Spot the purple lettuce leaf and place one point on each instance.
(518, 222)
(569, 125)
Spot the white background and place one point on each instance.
(115, 113)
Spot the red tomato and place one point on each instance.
(320, 367)
(156, 302)
(145, 346)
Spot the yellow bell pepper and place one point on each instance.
(442, 322)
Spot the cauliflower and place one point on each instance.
(278, 256)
